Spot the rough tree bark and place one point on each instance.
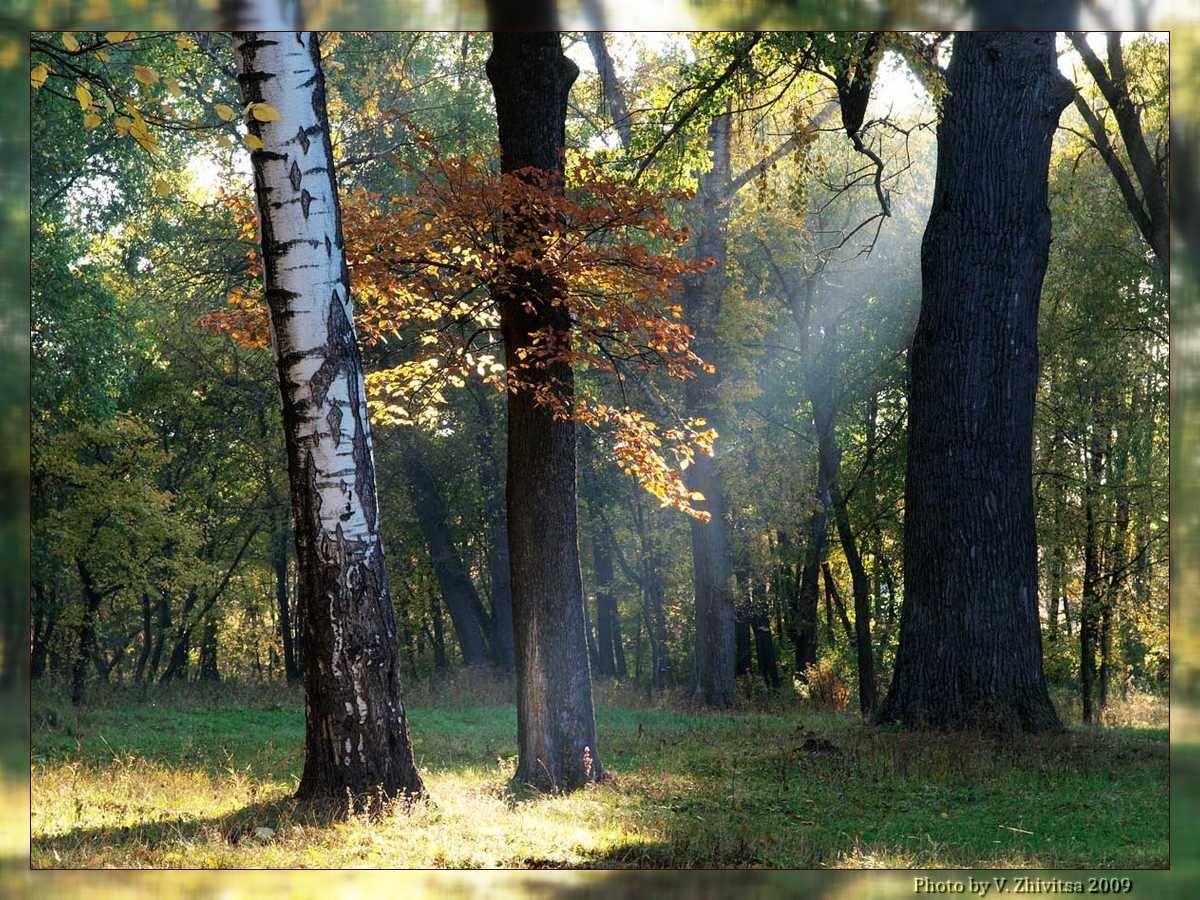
(356, 738)
(970, 649)
(531, 79)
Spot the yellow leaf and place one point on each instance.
(38, 74)
(224, 140)
(83, 95)
(108, 104)
(122, 124)
(103, 56)
(183, 42)
(117, 37)
(227, 113)
(162, 187)
(142, 135)
(146, 141)
(91, 120)
(145, 74)
(252, 141)
(264, 112)
(173, 87)
(68, 41)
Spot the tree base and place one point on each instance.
(333, 798)
(1031, 714)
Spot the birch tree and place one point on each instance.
(357, 740)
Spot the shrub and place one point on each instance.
(824, 686)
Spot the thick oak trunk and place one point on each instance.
(356, 738)
(970, 650)
(556, 729)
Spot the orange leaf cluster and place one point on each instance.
(431, 267)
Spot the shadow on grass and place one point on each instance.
(252, 823)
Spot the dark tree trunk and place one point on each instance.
(357, 744)
(715, 652)
(160, 635)
(602, 560)
(653, 612)
(743, 640)
(556, 728)
(764, 645)
(1035, 14)
(860, 583)
(208, 652)
(458, 590)
(970, 651)
(809, 591)
(438, 637)
(1089, 603)
(177, 662)
(833, 600)
(491, 481)
(279, 561)
(139, 672)
(87, 634)
(618, 642)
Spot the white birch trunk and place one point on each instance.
(357, 733)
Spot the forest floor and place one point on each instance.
(185, 777)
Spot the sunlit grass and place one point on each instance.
(206, 781)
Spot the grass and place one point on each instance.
(200, 779)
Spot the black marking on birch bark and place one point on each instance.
(305, 202)
(302, 139)
(294, 176)
(278, 248)
(339, 348)
(295, 356)
(250, 46)
(316, 170)
(254, 80)
(312, 493)
(334, 420)
(328, 248)
(265, 155)
(279, 298)
(364, 469)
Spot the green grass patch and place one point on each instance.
(206, 780)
